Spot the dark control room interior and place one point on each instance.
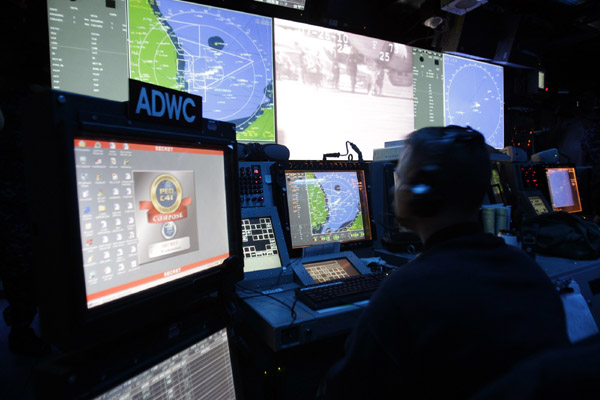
(203, 199)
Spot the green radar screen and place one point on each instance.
(222, 55)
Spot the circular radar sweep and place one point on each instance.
(474, 97)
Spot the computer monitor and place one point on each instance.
(428, 84)
(390, 235)
(143, 223)
(495, 193)
(335, 86)
(224, 56)
(143, 218)
(474, 96)
(563, 189)
(537, 203)
(197, 360)
(201, 370)
(324, 202)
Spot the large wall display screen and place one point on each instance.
(428, 79)
(224, 56)
(474, 96)
(88, 47)
(334, 87)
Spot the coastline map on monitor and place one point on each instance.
(327, 206)
(224, 56)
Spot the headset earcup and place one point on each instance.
(422, 192)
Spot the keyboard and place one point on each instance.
(340, 291)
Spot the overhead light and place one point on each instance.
(461, 7)
(433, 22)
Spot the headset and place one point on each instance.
(423, 191)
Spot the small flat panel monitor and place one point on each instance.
(326, 206)
(474, 96)
(259, 244)
(333, 86)
(327, 270)
(538, 204)
(202, 370)
(496, 192)
(224, 56)
(563, 189)
(143, 216)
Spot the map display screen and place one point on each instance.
(327, 206)
(474, 96)
(222, 55)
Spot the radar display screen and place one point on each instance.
(563, 188)
(224, 56)
(474, 96)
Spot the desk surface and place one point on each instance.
(556, 267)
(283, 322)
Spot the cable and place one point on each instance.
(350, 157)
(291, 308)
(356, 149)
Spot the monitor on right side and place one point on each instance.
(563, 189)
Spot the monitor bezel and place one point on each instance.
(279, 171)
(577, 206)
(65, 319)
(122, 360)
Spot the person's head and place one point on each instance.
(442, 176)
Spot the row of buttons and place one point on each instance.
(251, 185)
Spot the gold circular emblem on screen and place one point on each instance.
(166, 193)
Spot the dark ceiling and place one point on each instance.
(561, 37)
